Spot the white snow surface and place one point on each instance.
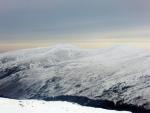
(38, 106)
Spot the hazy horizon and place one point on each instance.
(85, 23)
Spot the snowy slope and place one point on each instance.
(35, 106)
(118, 74)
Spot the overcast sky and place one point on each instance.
(36, 20)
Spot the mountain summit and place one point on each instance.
(118, 77)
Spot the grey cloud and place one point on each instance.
(54, 17)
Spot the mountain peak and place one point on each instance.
(118, 75)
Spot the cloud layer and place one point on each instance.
(71, 19)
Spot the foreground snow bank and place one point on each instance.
(35, 106)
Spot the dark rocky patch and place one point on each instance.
(85, 101)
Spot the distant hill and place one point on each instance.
(118, 76)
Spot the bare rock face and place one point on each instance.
(117, 76)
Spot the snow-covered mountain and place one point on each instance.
(35, 106)
(119, 75)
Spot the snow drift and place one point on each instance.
(34, 106)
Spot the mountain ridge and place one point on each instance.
(118, 74)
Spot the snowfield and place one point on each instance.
(35, 106)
